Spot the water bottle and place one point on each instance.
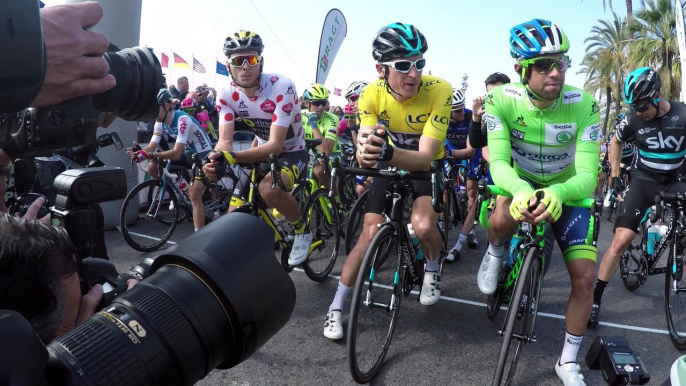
(652, 239)
(415, 243)
(511, 251)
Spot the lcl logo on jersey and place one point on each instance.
(416, 120)
(660, 142)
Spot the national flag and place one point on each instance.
(180, 63)
(221, 69)
(164, 61)
(337, 91)
(197, 66)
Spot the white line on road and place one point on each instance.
(544, 314)
(149, 237)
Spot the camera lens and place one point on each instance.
(211, 302)
(139, 78)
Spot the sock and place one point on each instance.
(432, 265)
(299, 225)
(196, 229)
(598, 291)
(460, 242)
(496, 250)
(571, 348)
(339, 298)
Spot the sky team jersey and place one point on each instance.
(556, 147)
(627, 148)
(459, 131)
(660, 142)
(189, 133)
(275, 102)
(427, 113)
(328, 126)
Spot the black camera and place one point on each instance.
(618, 362)
(190, 316)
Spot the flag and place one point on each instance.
(179, 62)
(337, 91)
(164, 61)
(221, 69)
(197, 66)
(333, 32)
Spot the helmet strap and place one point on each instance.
(388, 86)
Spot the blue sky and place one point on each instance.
(464, 36)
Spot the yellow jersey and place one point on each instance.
(427, 113)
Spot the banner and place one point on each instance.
(681, 42)
(333, 33)
(221, 69)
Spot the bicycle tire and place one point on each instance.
(448, 215)
(183, 214)
(148, 226)
(675, 306)
(373, 282)
(325, 227)
(630, 262)
(355, 224)
(495, 300)
(462, 201)
(611, 209)
(529, 281)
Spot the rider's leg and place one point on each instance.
(195, 195)
(502, 228)
(424, 224)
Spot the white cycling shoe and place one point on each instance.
(431, 288)
(487, 278)
(301, 247)
(570, 373)
(333, 325)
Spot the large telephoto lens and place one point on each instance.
(139, 78)
(211, 302)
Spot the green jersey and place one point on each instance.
(556, 147)
(328, 127)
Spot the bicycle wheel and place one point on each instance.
(374, 307)
(155, 223)
(675, 294)
(633, 266)
(461, 206)
(346, 190)
(353, 228)
(521, 317)
(183, 214)
(326, 236)
(495, 300)
(448, 215)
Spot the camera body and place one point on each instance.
(618, 362)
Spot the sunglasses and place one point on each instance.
(545, 65)
(350, 116)
(640, 108)
(239, 61)
(353, 98)
(318, 103)
(404, 66)
(458, 111)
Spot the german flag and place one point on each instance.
(179, 62)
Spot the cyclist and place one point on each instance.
(321, 124)
(457, 147)
(657, 128)
(268, 106)
(352, 95)
(191, 139)
(347, 124)
(413, 111)
(477, 132)
(551, 131)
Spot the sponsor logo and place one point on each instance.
(540, 157)
(675, 118)
(564, 126)
(517, 134)
(274, 79)
(417, 118)
(241, 105)
(569, 226)
(594, 135)
(268, 106)
(440, 123)
(572, 97)
(406, 141)
(650, 75)
(384, 119)
(201, 139)
(297, 117)
(594, 108)
(564, 137)
(645, 130)
(287, 108)
(449, 102)
(674, 127)
(243, 113)
(520, 121)
(661, 142)
(182, 124)
(430, 85)
(289, 90)
(489, 99)
(512, 92)
(332, 38)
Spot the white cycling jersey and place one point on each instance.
(188, 131)
(276, 101)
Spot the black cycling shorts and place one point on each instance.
(640, 196)
(376, 198)
(293, 164)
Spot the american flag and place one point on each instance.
(197, 66)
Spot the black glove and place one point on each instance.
(617, 185)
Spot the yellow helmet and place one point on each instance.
(243, 40)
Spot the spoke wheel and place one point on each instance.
(675, 294)
(374, 308)
(353, 228)
(155, 223)
(323, 220)
(633, 265)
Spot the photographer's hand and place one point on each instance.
(32, 212)
(75, 66)
(79, 308)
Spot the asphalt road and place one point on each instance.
(451, 342)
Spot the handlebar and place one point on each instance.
(663, 198)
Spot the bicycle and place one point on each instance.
(158, 219)
(636, 264)
(383, 277)
(455, 211)
(321, 214)
(520, 284)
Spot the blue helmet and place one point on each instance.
(641, 85)
(537, 37)
(398, 40)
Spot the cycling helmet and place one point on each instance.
(203, 118)
(316, 92)
(243, 40)
(164, 96)
(458, 99)
(355, 88)
(641, 85)
(537, 37)
(347, 110)
(398, 40)
(189, 103)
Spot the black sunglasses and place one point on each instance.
(318, 103)
(353, 98)
(640, 108)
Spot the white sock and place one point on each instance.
(432, 265)
(460, 242)
(339, 298)
(196, 229)
(497, 251)
(571, 348)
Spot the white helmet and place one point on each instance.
(458, 99)
(355, 88)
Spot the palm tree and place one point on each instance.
(605, 62)
(654, 43)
